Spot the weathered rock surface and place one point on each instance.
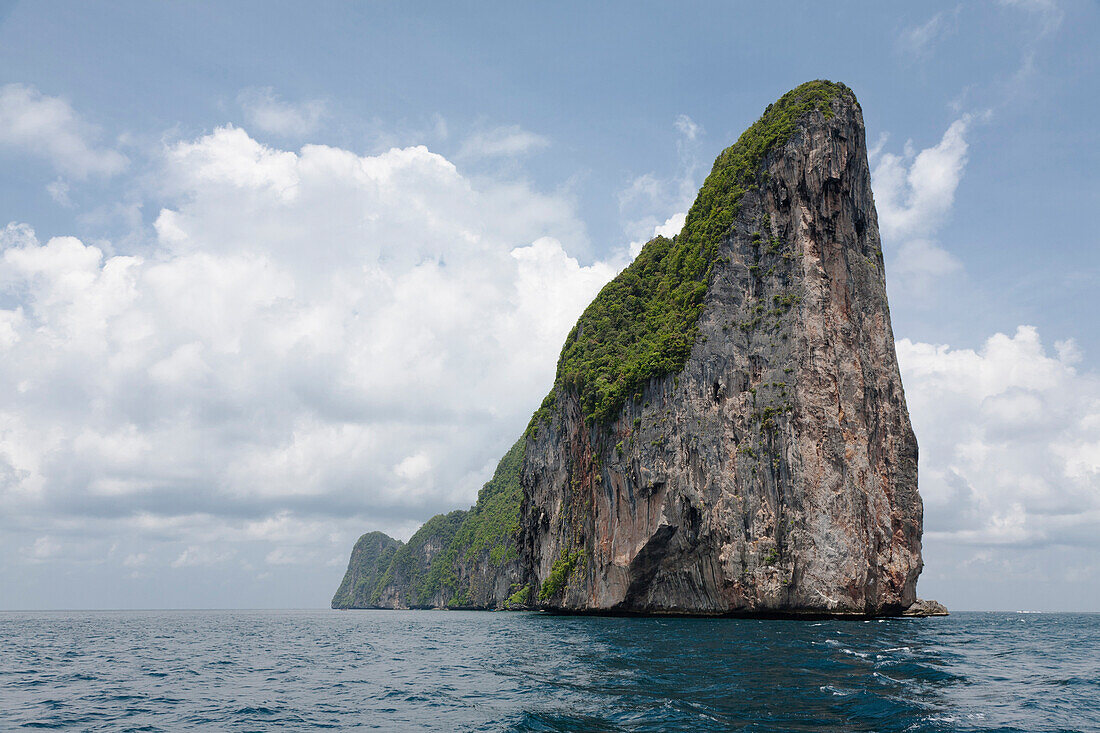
(370, 558)
(926, 608)
(772, 469)
(778, 471)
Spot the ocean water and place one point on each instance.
(424, 670)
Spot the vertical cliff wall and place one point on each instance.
(775, 470)
(727, 431)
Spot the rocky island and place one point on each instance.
(727, 431)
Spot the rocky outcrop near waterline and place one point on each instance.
(727, 431)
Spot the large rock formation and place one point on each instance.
(727, 432)
(370, 559)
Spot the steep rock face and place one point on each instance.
(370, 558)
(776, 470)
(404, 584)
(727, 431)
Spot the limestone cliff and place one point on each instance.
(727, 431)
(370, 558)
(776, 470)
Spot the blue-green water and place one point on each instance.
(390, 670)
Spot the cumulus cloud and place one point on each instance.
(914, 194)
(915, 191)
(509, 141)
(264, 109)
(672, 226)
(316, 343)
(35, 123)
(1010, 441)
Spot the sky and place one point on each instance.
(275, 275)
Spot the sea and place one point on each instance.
(482, 671)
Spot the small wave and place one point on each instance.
(1072, 681)
(919, 672)
(261, 710)
(888, 678)
(44, 725)
(837, 691)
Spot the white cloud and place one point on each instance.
(135, 560)
(316, 343)
(232, 159)
(44, 548)
(673, 225)
(59, 192)
(413, 467)
(1010, 442)
(32, 122)
(509, 141)
(645, 201)
(195, 556)
(914, 194)
(265, 110)
(919, 40)
(688, 127)
(553, 289)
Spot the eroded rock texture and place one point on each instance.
(777, 472)
(727, 432)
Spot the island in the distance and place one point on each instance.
(727, 431)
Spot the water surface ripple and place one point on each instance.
(423, 670)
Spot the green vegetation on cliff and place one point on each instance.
(488, 531)
(494, 520)
(425, 571)
(644, 323)
(411, 565)
(370, 558)
(559, 574)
